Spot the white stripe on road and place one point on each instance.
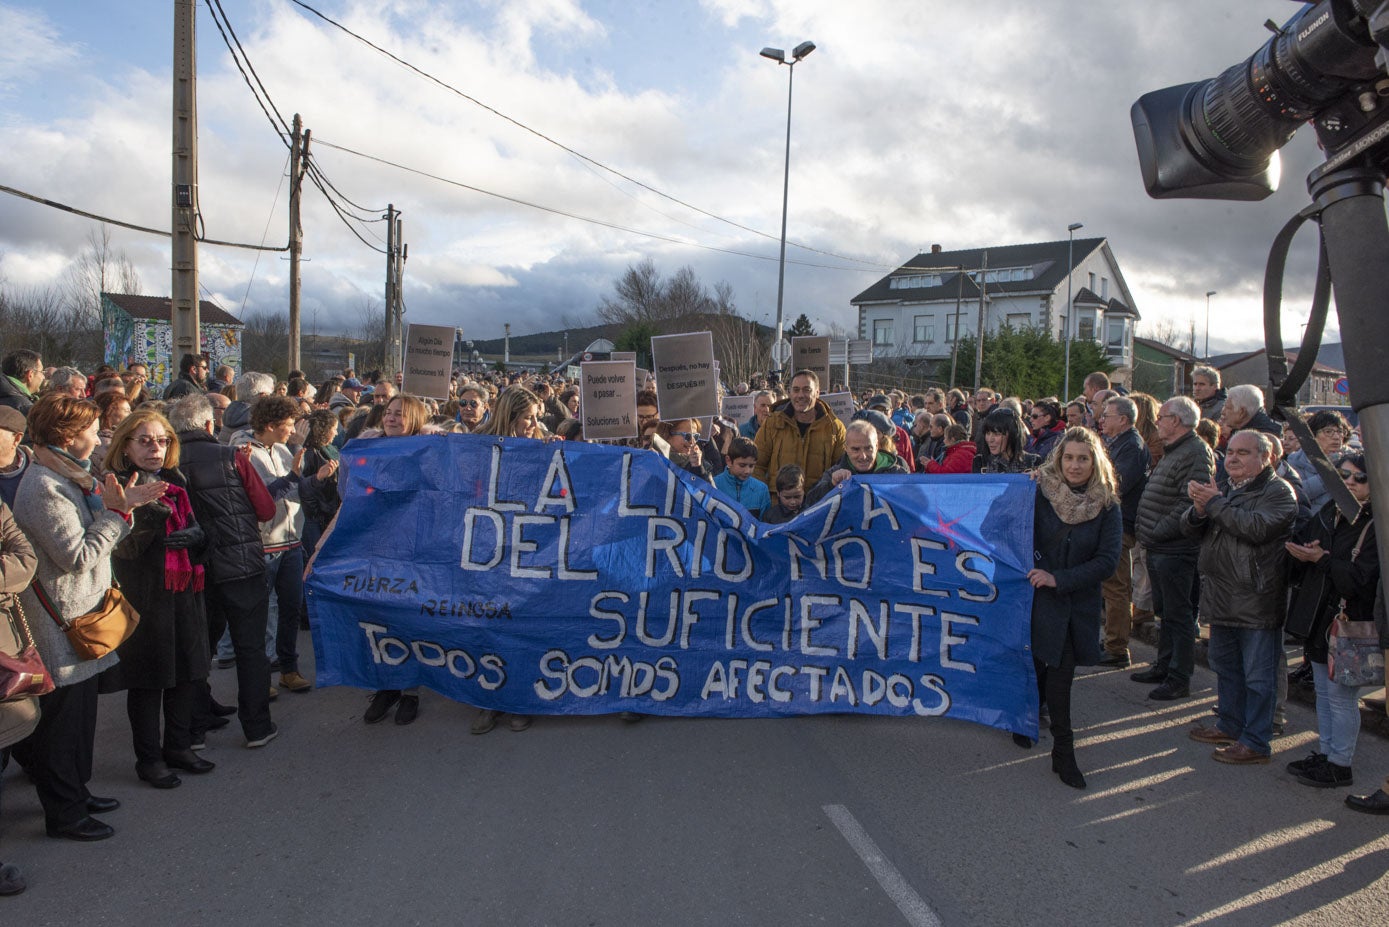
(917, 912)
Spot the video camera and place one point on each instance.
(1219, 138)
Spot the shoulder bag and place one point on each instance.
(1353, 654)
(23, 675)
(101, 630)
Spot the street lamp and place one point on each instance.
(1070, 303)
(1209, 294)
(779, 56)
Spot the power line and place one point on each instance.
(570, 215)
(577, 154)
(128, 225)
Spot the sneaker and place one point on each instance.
(1209, 735)
(264, 738)
(381, 702)
(1298, 767)
(1377, 802)
(294, 681)
(486, 720)
(1327, 775)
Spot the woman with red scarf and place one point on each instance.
(168, 655)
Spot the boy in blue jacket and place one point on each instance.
(737, 480)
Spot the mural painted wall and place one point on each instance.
(152, 341)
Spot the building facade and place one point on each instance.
(921, 309)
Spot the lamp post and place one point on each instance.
(1209, 294)
(779, 56)
(1070, 303)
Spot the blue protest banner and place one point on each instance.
(571, 578)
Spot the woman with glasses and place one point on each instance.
(1330, 430)
(1046, 427)
(685, 451)
(472, 406)
(1336, 566)
(74, 524)
(165, 660)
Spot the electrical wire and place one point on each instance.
(570, 215)
(129, 225)
(268, 219)
(577, 154)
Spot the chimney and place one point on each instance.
(935, 249)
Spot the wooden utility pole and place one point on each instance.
(979, 336)
(389, 335)
(184, 284)
(298, 165)
(402, 250)
(955, 335)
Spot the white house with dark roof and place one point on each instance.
(917, 310)
(138, 328)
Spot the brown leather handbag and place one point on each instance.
(23, 675)
(101, 630)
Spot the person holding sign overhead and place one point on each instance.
(802, 431)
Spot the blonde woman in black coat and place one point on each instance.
(1077, 535)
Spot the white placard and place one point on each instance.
(685, 383)
(428, 360)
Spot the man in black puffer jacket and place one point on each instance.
(230, 501)
(1171, 554)
(1242, 526)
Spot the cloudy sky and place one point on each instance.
(964, 124)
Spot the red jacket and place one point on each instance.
(959, 458)
(904, 449)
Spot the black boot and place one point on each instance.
(1063, 763)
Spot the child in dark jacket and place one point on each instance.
(790, 493)
(959, 453)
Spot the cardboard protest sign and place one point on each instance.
(608, 400)
(737, 408)
(812, 352)
(428, 360)
(571, 578)
(685, 383)
(841, 404)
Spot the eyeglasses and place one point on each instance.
(1036, 415)
(1361, 478)
(688, 436)
(1330, 430)
(469, 403)
(147, 441)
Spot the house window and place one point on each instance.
(1116, 333)
(1085, 329)
(956, 326)
(1092, 283)
(1104, 288)
(913, 281)
(882, 332)
(1019, 320)
(925, 329)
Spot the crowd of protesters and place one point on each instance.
(205, 502)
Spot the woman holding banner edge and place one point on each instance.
(517, 415)
(1077, 536)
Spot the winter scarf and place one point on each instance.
(1072, 507)
(70, 468)
(179, 570)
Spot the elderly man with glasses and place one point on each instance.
(1172, 555)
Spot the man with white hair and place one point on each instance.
(1242, 526)
(250, 386)
(1172, 555)
(1244, 408)
(68, 381)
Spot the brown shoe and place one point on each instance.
(295, 682)
(1211, 734)
(486, 720)
(1238, 754)
(518, 722)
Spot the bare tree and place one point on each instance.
(42, 320)
(639, 295)
(370, 333)
(99, 268)
(265, 343)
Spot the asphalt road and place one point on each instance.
(589, 821)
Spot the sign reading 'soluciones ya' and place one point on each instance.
(570, 578)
